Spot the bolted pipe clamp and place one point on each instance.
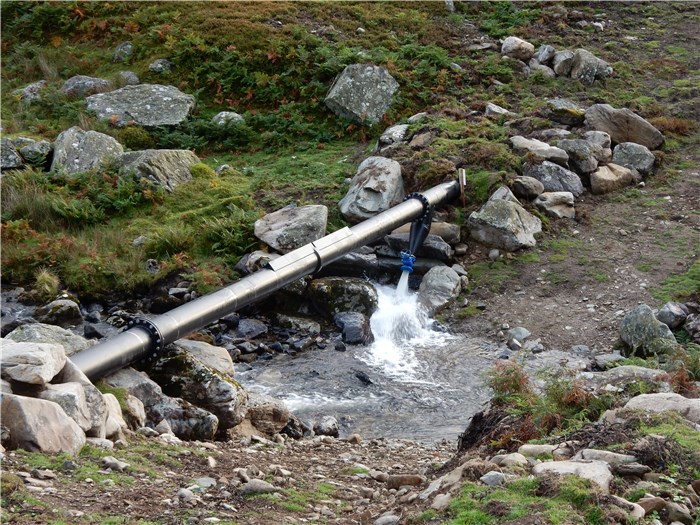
(158, 343)
(423, 200)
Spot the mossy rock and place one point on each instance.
(332, 295)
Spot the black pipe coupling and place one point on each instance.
(423, 200)
(157, 341)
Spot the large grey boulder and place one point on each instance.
(32, 363)
(38, 425)
(562, 62)
(291, 227)
(664, 402)
(80, 86)
(47, 333)
(582, 155)
(559, 204)
(504, 224)
(186, 420)
(267, 414)
(539, 148)
(37, 153)
(332, 295)
(623, 126)
(376, 187)
(644, 334)
(215, 357)
(167, 168)
(76, 150)
(554, 177)
(673, 314)
(145, 104)
(439, 287)
(565, 111)
(362, 93)
(183, 376)
(586, 67)
(10, 159)
(610, 178)
(518, 48)
(61, 312)
(71, 398)
(527, 187)
(545, 54)
(598, 472)
(634, 156)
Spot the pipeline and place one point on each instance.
(145, 337)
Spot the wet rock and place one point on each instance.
(376, 187)
(362, 93)
(76, 150)
(355, 327)
(583, 157)
(80, 86)
(145, 105)
(37, 425)
(634, 156)
(644, 334)
(597, 472)
(504, 225)
(61, 312)
(612, 177)
(227, 118)
(434, 247)
(51, 334)
(166, 168)
(327, 426)
(439, 287)
(562, 62)
(539, 148)
(558, 204)
(517, 48)
(332, 295)
(300, 324)
(587, 67)
(623, 126)
(664, 402)
(527, 187)
(565, 111)
(291, 227)
(673, 314)
(31, 363)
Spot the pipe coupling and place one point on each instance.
(157, 341)
(423, 200)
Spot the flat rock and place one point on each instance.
(166, 168)
(598, 472)
(558, 204)
(505, 225)
(634, 156)
(664, 402)
(31, 363)
(609, 178)
(554, 177)
(539, 148)
(623, 126)
(76, 150)
(292, 227)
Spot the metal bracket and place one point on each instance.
(151, 328)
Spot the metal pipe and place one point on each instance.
(150, 335)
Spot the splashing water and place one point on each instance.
(400, 328)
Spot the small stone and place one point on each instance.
(114, 464)
(493, 479)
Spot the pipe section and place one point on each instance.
(148, 336)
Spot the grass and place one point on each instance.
(680, 287)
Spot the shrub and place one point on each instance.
(46, 284)
(508, 379)
(136, 138)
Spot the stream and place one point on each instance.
(412, 382)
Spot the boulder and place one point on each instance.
(80, 86)
(10, 159)
(495, 110)
(527, 187)
(644, 334)
(227, 118)
(46, 333)
(97, 408)
(582, 155)
(559, 204)
(518, 48)
(71, 398)
(545, 54)
(664, 402)
(565, 111)
(587, 67)
(376, 187)
(601, 141)
(562, 61)
(38, 425)
(123, 52)
(31, 363)
(145, 105)
(598, 472)
(539, 148)
(536, 67)
(76, 150)
(355, 327)
(617, 378)
(439, 287)
(391, 137)
(362, 93)
(187, 421)
(326, 426)
(434, 247)
(554, 177)
(623, 126)
(30, 93)
(267, 414)
(167, 168)
(127, 78)
(250, 328)
(673, 314)
(505, 225)
(610, 178)
(634, 156)
(161, 65)
(291, 227)
(332, 295)
(183, 376)
(37, 153)
(215, 357)
(61, 312)
(116, 425)
(504, 194)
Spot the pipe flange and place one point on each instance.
(423, 200)
(156, 337)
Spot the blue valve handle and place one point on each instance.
(407, 261)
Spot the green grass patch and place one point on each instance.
(679, 287)
(492, 275)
